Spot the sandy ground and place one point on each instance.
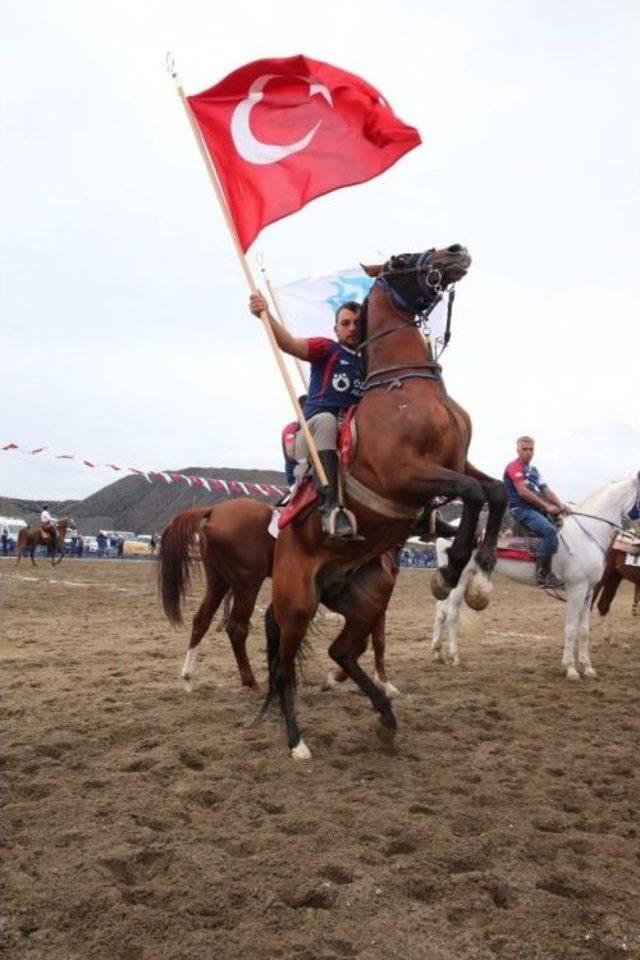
(143, 822)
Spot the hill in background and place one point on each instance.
(133, 503)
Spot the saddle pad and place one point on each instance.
(627, 544)
(507, 553)
(304, 498)
(520, 544)
(347, 438)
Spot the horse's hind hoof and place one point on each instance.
(439, 586)
(301, 751)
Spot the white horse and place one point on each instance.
(579, 561)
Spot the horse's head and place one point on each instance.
(416, 280)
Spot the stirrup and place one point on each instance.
(330, 522)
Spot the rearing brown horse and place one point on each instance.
(412, 447)
(31, 537)
(237, 551)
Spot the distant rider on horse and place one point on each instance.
(335, 385)
(533, 502)
(48, 527)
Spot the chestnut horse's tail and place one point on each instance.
(21, 545)
(174, 559)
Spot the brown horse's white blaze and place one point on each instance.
(412, 448)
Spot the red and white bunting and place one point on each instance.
(207, 483)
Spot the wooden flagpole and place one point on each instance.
(276, 306)
(313, 453)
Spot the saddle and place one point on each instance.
(305, 496)
(511, 547)
(626, 542)
(519, 543)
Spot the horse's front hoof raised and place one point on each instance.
(439, 586)
(477, 593)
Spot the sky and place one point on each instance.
(124, 330)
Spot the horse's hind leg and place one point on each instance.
(378, 642)
(584, 661)
(226, 609)
(238, 626)
(216, 589)
(281, 652)
(295, 602)
(636, 600)
(345, 650)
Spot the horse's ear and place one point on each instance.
(372, 270)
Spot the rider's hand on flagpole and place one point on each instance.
(258, 305)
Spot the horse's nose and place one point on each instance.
(456, 248)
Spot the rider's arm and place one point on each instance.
(295, 346)
(554, 498)
(531, 497)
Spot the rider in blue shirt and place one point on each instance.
(533, 502)
(336, 384)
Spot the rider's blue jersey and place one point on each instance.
(336, 377)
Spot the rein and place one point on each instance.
(587, 533)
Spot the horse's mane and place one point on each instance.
(591, 498)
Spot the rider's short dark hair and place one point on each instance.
(349, 305)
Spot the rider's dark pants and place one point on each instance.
(544, 528)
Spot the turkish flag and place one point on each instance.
(281, 132)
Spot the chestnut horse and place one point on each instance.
(237, 551)
(412, 448)
(616, 569)
(31, 537)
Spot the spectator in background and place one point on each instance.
(102, 544)
(79, 547)
(5, 540)
(120, 547)
(152, 544)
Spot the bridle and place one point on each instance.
(430, 282)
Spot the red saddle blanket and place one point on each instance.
(306, 495)
(302, 500)
(517, 548)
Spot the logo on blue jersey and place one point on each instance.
(340, 382)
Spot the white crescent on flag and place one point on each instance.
(256, 151)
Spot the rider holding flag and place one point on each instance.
(335, 385)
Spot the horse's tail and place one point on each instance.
(21, 545)
(174, 559)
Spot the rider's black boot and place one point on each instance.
(544, 575)
(335, 520)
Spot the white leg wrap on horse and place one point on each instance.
(385, 686)
(301, 752)
(189, 666)
(331, 683)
